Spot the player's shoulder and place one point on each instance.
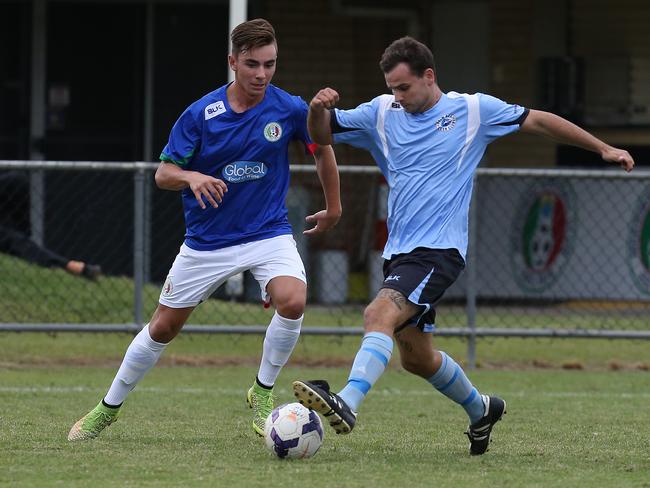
(210, 104)
(479, 96)
(482, 99)
(280, 96)
(379, 104)
(456, 97)
(385, 101)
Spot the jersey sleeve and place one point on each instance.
(184, 140)
(499, 118)
(354, 126)
(300, 132)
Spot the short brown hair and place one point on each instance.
(410, 51)
(251, 34)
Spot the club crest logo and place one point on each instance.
(272, 132)
(639, 244)
(446, 122)
(541, 242)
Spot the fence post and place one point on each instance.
(37, 127)
(138, 246)
(470, 308)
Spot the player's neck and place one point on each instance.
(435, 97)
(239, 100)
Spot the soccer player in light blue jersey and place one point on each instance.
(228, 155)
(427, 144)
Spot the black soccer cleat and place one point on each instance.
(316, 395)
(479, 432)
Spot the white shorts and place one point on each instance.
(195, 275)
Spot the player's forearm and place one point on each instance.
(171, 177)
(318, 123)
(328, 173)
(562, 131)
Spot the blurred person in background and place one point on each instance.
(14, 230)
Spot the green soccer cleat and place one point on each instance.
(261, 401)
(89, 426)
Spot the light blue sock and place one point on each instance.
(370, 362)
(451, 381)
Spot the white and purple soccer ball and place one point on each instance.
(293, 432)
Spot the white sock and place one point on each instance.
(281, 337)
(140, 357)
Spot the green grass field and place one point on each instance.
(577, 409)
(187, 423)
(30, 294)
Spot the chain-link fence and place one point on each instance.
(552, 252)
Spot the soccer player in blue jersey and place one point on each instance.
(228, 155)
(427, 144)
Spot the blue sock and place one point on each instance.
(369, 363)
(451, 381)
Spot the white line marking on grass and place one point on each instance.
(154, 389)
(550, 394)
(283, 391)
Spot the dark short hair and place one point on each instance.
(410, 51)
(251, 34)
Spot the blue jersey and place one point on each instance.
(428, 160)
(249, 151)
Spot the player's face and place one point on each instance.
(414, 93)
(255, 68)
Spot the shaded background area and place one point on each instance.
(114, 76)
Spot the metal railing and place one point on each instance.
(552, 253)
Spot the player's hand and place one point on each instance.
(618, 156)
(324, 220)
(208, 187)
(325, 99)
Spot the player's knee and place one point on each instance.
(291, 308)
(372, 317)
(163, 331)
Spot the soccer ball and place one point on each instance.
(293, 431)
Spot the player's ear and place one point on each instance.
(232, 62)
(430, 76)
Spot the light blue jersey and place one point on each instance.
(428, 160)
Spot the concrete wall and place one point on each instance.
(480, 45)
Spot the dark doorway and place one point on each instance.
(15, 46)
(190, 61)
(94, 81)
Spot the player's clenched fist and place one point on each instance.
(618, 156)
(325, 99)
